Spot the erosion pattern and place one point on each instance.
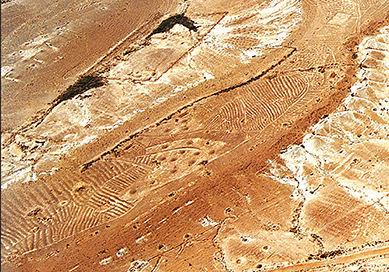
(184, 157)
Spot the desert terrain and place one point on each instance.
(188, 135)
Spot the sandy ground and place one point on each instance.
(46, 45)
(196, 136)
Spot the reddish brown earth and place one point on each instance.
(184, 158)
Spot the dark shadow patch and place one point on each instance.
(79, 189)
(326, 254)
(34, 212)
(170, 22)
(83, 84)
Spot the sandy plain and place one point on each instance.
(195, 136)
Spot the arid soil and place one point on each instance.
(195, 136)
(45, 45)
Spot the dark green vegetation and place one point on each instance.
(170, 22)
(83, 84)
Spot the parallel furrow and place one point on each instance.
(338, 198)
(253, 115)
(264, 91)
(115, 213)
(30, 242)
(10, 236)
(38, 242)
(239, 112)
(78, 214)
(82, 198)
(63, 216)
(8, 212)
(118, 183)
(120, 166)
(96, 201)
(20, 202)
(17, 225)
(85, 218)
(115, 168)
(296, 86)
(110, 194)
(135, 174)
(95, 220)
(115, 200)
(276, 109)
(101, 197)
(278, 88)
(49, 235)
(102, 170)
(291, 88)
(21, 246)
(215, 121)
(105, 171)
(100, 175)
(259, 102)
(349, 225)
(143, 160)
(69, 229)
(122, 206)
(66, 183)
(265, 111)
(93, 181)
(7, 240)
